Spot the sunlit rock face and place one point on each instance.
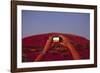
(33, 46)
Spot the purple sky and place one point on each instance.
(38, 22)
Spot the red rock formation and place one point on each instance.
(33, 46)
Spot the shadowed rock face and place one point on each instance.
(32, 46)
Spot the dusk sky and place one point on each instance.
(38, 22)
